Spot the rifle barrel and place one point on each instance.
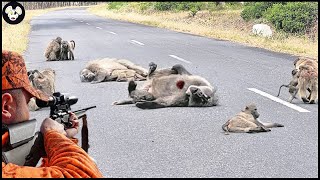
(84, 109)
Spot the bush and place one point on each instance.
(293, 17)
(116, 5)
(165, 6)
(255, 10)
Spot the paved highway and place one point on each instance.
(180, 142)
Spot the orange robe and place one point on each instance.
(64, 159)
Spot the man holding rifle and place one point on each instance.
(64, 158)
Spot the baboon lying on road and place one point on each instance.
(111, 69)
(176, 89)
(52, 52)
(67, 48)
(247, 122)
(43, 81)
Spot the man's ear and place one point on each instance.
(7, 106)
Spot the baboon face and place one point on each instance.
(86, 75)
(200, 95)
(64, 45)
(59, 39)
(252, 108)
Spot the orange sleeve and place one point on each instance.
(64, 159)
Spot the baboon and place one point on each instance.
(308, 78)
(67, 48)
(44, 81)
(53, 49)
(111, 69)
(247, 122)
(172, 90)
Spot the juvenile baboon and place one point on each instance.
(52, 52)
(67, 48)
(173, 90)
(44, 81)
(247, 122)
(111, 69)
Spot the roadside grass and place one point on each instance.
(223, 24)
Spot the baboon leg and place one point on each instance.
(52, 56)
(313, 95)
(152, 68)
(257, 129)
(149, 105)
(302, 91)
(123, 102)
(138, 77)
(71, 55)
(180, 69)
(293, 95)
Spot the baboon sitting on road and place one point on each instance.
(53, 49)
(44, 81)
(247, 121)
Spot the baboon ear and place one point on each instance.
(246, 108)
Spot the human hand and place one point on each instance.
(50, 124)
(71, 132)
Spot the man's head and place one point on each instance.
(16, 89)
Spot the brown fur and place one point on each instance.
(44, 81)
(163, 90)
(112, 69)
(307, 79)
(246, 121)
(52, 52)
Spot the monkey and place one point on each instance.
(67, 48)
(111, 69)
(44, 81)
(247, 121)
(307, 69)
(308, 78)
(173, 90)
(52, 52)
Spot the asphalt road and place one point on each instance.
(180, 142)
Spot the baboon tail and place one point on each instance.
(73, 44)
(281, 87)
(271, 125)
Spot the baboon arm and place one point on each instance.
(271, 125)
(123, 102)
(149, 105)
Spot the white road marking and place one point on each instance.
(98, 27)
(112, 32)
(180, 59)
(87, 23)
(295, 107)
(137, 42)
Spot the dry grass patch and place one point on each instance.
(225, 24)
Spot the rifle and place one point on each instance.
(60, 109)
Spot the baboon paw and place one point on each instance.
(312, 102)
(115, 103)
(305, 100)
